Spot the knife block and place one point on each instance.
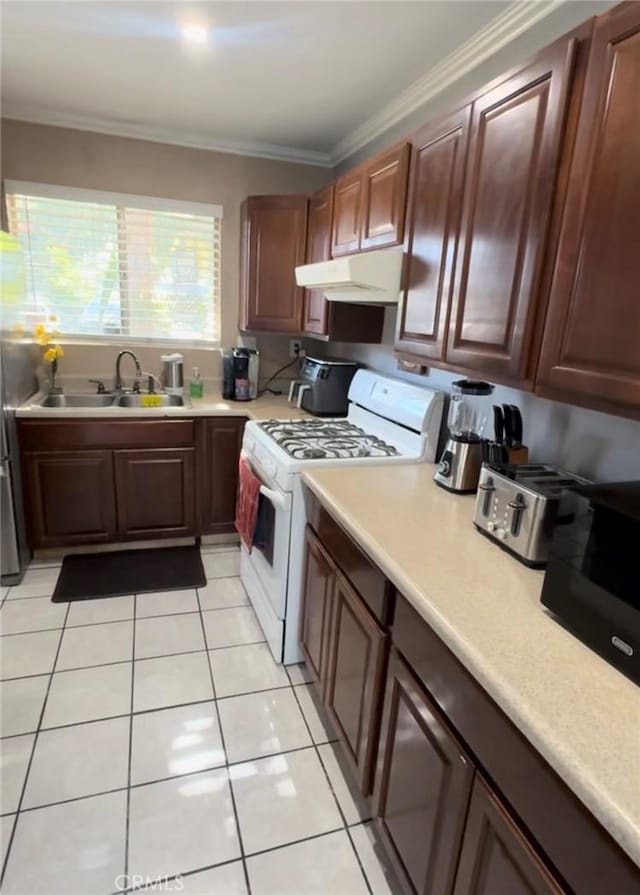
(518, 454)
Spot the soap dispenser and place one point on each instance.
(196, 387)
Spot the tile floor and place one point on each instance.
(152, 737)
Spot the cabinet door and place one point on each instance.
(422, 787)
(384, 199)
(353, 694)
(220, 441)
(591, 346)
(274, 232)
(496, 859)
(315, 612)
(70, 497)
(155, 493)
(433, 223)
(347, 213)
(318, 249)
(516, 132)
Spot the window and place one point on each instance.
(125, 268)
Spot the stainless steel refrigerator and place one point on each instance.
(18, 366)
(18, 383)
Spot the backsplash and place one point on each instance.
(596, 445)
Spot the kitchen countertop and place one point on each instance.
(580, 713)
(212, 404)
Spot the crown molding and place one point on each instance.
(257, 149)
(518, 18)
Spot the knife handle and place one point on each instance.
(516, 424)
(508, 425)
(498, 423)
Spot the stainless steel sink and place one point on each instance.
(77, 401)
(157, 400)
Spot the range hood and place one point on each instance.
(369, 278)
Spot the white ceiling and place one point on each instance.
(283, 79)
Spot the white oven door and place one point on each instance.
(268, 565)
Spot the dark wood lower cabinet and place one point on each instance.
(496, 859)
(355, 679)
(220, 441)
(70, 497)
(423, 786)
(463, 803)
(155, 492)
(92, 481)
(315, 613)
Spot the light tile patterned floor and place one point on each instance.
(153, 736)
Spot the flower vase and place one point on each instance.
(53, 369)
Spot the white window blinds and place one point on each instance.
(119, 267)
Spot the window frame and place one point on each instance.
(133, 201)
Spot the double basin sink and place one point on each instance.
(131, 399)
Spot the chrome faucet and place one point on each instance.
(118, 382)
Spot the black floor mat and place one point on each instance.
(93, 576)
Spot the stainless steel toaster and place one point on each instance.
(517, 505)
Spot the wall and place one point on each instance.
(596, 445)
(98, 161)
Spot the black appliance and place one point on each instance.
(240, 374)
(323, 387)
(591, 583)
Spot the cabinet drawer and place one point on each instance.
(93, 433)
(365, 577)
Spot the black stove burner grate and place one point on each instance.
(317, 440)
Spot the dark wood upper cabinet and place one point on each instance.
(384, 198)
(219, 445)
(423, 785)
(514, 144)
(347, 213)
(70, 497)
(318, 249)
(316, 608)
(370, 203)
(496, 858)
(433, 224)
(155, 492)
(591, 348)
(357, 660)
(273, 232)
(336, 320)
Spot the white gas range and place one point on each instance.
(389, 421)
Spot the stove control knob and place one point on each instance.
(501, 534)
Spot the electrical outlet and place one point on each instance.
(295, 348)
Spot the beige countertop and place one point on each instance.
(581, 714)
(212, 404)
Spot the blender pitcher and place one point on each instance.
(461, 460)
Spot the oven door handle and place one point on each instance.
(281, 501)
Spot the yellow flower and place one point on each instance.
(53, 318)
(50, 355)
(41, 334)
(58, 350)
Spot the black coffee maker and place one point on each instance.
(240, 374)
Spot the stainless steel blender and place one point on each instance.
(469, 410)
